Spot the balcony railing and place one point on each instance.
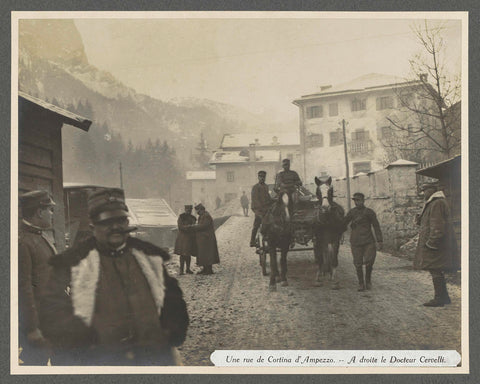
(360, 146)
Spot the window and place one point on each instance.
(315, 111)
(361, 166)
(333, 109)
(360, 135)
(314, 140)
(336, 138)
(386, 132)
(385, 102)
(359, 104)
(202, 189)
(230, 176)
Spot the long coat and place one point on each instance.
(437, 247)
(185, 244)
(207, 250)
(68, 309)
(34, 251)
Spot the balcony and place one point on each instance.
(360, 147)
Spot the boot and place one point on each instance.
(188, 260)
(361, 283)
(444, 293)
(208, 270)
(182, 264)
(437, 300)
(368, 277)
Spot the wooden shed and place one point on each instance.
(40, 152)
(448, 173)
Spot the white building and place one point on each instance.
(364, 103)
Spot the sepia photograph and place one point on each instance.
(239, 192)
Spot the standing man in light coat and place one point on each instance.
(437, 247)
(207, 249)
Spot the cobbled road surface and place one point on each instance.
(233, 309)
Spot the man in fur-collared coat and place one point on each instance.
(437, 248)
(110, 301)
(207, 249)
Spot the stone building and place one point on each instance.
(364, 103)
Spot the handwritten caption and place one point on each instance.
(301, 358)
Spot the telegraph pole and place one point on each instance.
(121, 175)
(346, 164)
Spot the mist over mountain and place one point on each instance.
(53, 66)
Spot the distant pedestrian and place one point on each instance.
(437, 248)
(185, 245)
(110, 300)
(218, 202)
(34, 251)
(261, 201)
(207, 249)
(244, 203)
(362, 241)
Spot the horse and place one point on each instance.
(328, 231)
(277, 233)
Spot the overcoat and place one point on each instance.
(207, 250)
(437, 247)
(34, 251)
(68, 307)
(185, 244)
(261, 199)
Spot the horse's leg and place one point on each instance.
(273, 268)
(317, 251)
(286, 201)
(333, 251)
(283, 264)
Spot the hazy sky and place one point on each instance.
(259, 64)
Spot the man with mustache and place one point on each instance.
(110, 300)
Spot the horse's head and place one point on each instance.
(324, 190)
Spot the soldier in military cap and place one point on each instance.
(185, 245)
(34, 251)
(437, 250)
(110, 300)
(287, 181)
(362, 240)
(261, 201)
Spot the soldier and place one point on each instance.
(34, 251)
(437, 247)
(362, 240)
(110, 300)
(286, 182)
(185, 243)
(261, 201)
(207, 249)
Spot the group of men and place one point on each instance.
(436, 248)
(196, 239)
(106, 301)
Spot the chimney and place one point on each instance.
(252, 153)
(324, 87)
(274, 140)
(423, 77)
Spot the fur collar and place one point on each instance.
(73, 256)
(85, 276)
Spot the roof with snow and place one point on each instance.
(235, 140)
(151, 212)
(201, 175)
(67, 117)
(359, 84)
(401, 162)
(224, 157)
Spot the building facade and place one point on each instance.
(204, 188)
(364, 104)
(237, 171)
(286, 143)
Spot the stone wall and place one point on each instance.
(392, 194)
